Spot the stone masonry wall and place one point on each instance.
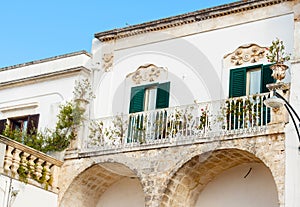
(171, 176)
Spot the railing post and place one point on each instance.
(47, 169)
(2, 156)
(31, 163)
(54, 173)
(280, 115)
(15, 162)
(39, 168)
(8, 159)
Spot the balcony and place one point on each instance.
(196, 123)
(28, 165)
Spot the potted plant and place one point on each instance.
(277, 55)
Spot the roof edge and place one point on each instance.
(200, 15)
(81, 52)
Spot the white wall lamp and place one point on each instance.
(277, 101)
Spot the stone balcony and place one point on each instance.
(197, 123)
(28, 165)
(174, 151)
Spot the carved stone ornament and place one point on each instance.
(278, 71)
(146, 73)
(108, 60)
(247, 53)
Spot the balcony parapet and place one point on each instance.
(233, 118)
(28, 165)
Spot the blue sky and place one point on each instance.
(34, 29)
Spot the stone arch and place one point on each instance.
(87, 187)
(192, 177)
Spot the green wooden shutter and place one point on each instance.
(33, 122)
(2, 125)
(266, 78)
(163, 95)
(237, 85)
(137, 99)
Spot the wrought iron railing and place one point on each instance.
(196, 121)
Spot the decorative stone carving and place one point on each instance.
(278, 71)
(279, 87)
(108, 60)
(247, 53)
(146, 73)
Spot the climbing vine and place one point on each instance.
(69, 118)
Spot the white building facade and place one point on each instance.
(178, 117)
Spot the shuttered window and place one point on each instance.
(32, 125)
(2, 125)
(28, 124)
(266, 74)
(163, 96)
(137, 98)
(238, 80)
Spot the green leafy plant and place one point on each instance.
(83, 90)
(23, 173)
(113, 133)
(32, 139)
(96, 133)
(69, 119)
(243, 112)
(175, 122)
(26, 171)
(276, 52)
(203, 118)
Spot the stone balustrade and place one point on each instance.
(28, 165)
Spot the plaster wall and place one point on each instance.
(39, 97)
(126, 192)
(26, 195)
(195, 61)
(292, 180)
(292, 184)
(246, 185)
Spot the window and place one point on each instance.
(149, 97)
(253, 81)
(26, 124)
(145, 98)
(250, 80)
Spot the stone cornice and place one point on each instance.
(82, 52)
(187, 18)
(44, 76)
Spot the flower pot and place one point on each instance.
(82, 103)
(278, 71)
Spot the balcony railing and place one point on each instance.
(199, 121)
(28, 165)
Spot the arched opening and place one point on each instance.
(126, 192)
(104, 184)
(247, 185)
(228, 177)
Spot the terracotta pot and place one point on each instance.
(278, 71)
